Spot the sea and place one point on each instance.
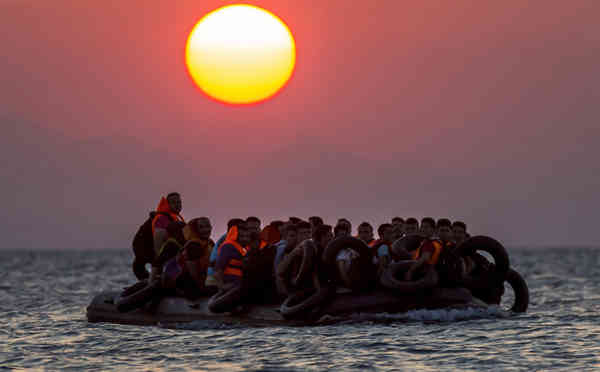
(43, 325)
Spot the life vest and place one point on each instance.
(437, 246)
(162, 209)
(234, 266)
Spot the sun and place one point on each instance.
(240, 54)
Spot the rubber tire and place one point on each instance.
(491, 246)
(388, 278)
(365, 260)
(138, 298)
(224, 301)
(408, 243)
(301, 302)
(519, 286)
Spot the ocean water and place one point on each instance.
(43, 296)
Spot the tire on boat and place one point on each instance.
(137, 296)
(225, 300)
(363, 265)
(302, 302)
(429, 279)
(495, 249)
(519, 286)
(407, 244)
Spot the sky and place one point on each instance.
(487, 112)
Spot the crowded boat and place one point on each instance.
(303, 271)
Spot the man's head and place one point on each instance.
(322, 236)
(427, 227)
(243, 237)
(345, 222)
(304, 231)
(411, 226)
(291, 235)
(386, 233)
(202, 226)
(341, 230)
(253, 224)
(315, 221)
(398, 221)
(365, 232)
(174, 200)
(459, 231)
(444, 229)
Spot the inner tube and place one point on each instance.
(300, 303)
(226, 300)
(364, 261)
(406, 245)
(134, 297)
(388, 279)
(519, 286)
(494, 248)
(304, 254)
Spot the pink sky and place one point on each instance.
(481, 111)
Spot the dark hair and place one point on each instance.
(460, 224)
(382, 228)
(411, 221)
(303, 225)
(365, 224)
(253, 219)
(277, 223)
(444, 222)
(316, 220)
(173, 194)
(397, 219)
(291, 227)
(295, 220)
(428, 220)
(320, 231)
(234, 222)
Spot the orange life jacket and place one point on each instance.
(234, 266)
(163, 207)
(437, 246)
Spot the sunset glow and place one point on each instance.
(240, 54)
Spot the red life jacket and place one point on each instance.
(234, 266)
(164, 208)
(437, 250)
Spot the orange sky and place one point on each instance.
(483, 111)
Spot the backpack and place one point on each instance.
(143, 241)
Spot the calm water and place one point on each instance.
(43, 296)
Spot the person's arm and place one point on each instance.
(420, 262)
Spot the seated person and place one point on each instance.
(427, 227)
(187, 272)
(230, 255)
(285, 245)
(411, 226)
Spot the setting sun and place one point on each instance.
(240, 54)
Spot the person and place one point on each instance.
(304, 231)
(187, 272)
(340, 230)
(411, 226)
(286, 245)
(398, 222)
(314, 222)
(365, 233)
(168, 211)
(210, 277)
(229, 265)
(459, 232)
(427, 227)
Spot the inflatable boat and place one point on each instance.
(390, 294)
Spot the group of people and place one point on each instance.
(186, 260)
